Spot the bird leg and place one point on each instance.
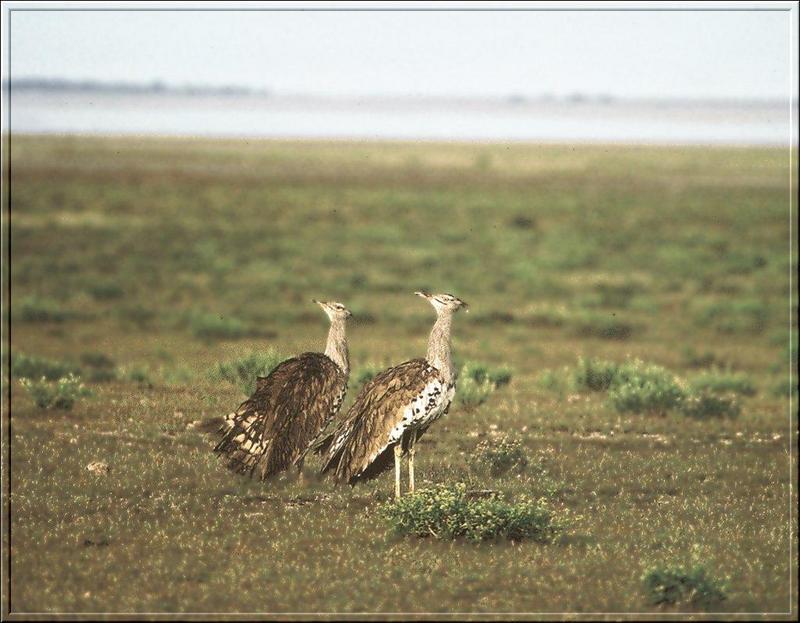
(398, 450)
(411, 452)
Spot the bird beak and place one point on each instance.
(465, 306)
(423, 294)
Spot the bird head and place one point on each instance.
(333, 309)
(443, 302)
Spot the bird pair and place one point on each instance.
(284, 419)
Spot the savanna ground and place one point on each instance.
(143, 263)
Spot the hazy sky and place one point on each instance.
(637, 54)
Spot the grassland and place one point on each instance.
(143, 263)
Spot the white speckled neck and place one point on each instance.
(439, 345)
(336, 348)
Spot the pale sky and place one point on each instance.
(624, 54)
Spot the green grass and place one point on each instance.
(601, 253)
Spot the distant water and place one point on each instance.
(403, 119)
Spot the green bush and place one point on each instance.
(210, 326)
(61, 394)
(695, 359)
(244, 370)
(554, 380)
(35, 309)
(717, 381)
(594, 374)
(450, 511)
(500, 455)
(675, 586)
(605, 326)
(139, 375)
(644, 388)
(706, 404)
(476, 382)
(365, 374)
(33, 367)
(105, 290)
(737, 317)
(99, 367)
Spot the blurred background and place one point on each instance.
(693, 76)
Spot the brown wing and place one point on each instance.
(274, 427)
(362, 442)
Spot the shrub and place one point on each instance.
(139, 375)
(605, 326)
(677, 586)
(723, 382)
(500, 455)
(105, 290)
(450, 511)
(244, 370)
(61, 394)
(644, 388)
(211, 326)
(594, 374)
(706, 404)
(736, 317)
(99, 367)
(477, 381)
(35, 309)
(33, 367)
(695, 359)
(365, 374)
(553, 380)
(137, 315)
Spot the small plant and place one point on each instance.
(605, 326)
(477, 381)
(677, 586)
(365, 374)
(139, 375)
(738, 317)
(594, 374)
(210, 326)
(33, 367)
(553, 380)
(500, 455)
(644, 388)
(105, 290)
(717, 381)
(99, 367)
(35, 309)
(705, 404)
(244, 370)
(450, 511)
(695, 359)
(61, 394)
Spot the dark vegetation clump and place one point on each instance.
(244, 370)
(476, 381)
(60, 394)
(500, 455)
(676, 586)
(450, 512)
(34, 367)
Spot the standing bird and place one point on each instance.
(395, 408)
(278, 424)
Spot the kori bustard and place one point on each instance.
(395, 408)
(274, 428)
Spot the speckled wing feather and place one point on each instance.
(273, 428)
(382, 412)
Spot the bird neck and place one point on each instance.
(439, 346)
(336, 348)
